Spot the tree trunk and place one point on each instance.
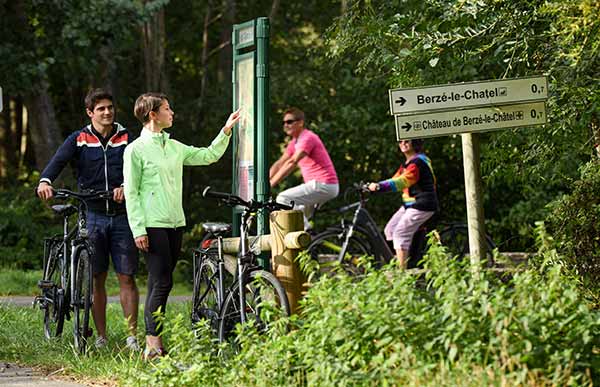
(225, 56)
(108, 69)
(595, 127)
(4, 132)
(274, 9)
(45, 134)
(153, 42)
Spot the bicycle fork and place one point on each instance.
(220, 270)
(240, 268)
(349, 234)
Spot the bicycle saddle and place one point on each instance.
(64, 209)
(217, 228)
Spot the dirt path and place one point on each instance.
(12, 375)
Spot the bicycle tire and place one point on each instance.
(54, 313)
(205, 304)
(82, 300)
(455, 238)
(262, 288)
(326, 247)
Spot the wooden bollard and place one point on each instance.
(285, 245)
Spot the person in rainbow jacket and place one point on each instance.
(416, 180)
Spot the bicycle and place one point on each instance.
(67, 281)
(224, 307)
(348, 241)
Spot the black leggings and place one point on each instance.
(161, 258)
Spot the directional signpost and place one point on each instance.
(468, 95)
(470, 120)
(468, 108)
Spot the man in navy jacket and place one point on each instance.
(96, 151)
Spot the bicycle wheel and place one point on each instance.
(82, 300)
(266, 301)
(456, 239)
(326, 247)
(53, 290)
(205, 304)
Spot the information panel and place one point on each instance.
(244, 99)
(468, 95)
(470, 120)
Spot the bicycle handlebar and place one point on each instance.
(82, 196)
(252, 205)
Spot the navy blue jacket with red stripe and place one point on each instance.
(98, 167)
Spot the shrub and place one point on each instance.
(392, 328)
(574, 224)
(24, 222)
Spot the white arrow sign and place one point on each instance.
(470, 120)
(465, 95)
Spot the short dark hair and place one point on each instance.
(146, 103)
(297, 113)
(94, 96)
(418, 144)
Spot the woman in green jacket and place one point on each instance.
(153, 171)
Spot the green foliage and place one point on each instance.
(24, 222)
(387, 328)
(416, 43)
(574, 223)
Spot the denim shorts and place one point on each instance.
(111, 235)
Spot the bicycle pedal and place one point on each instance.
(90, 332)
(39, 300)
(45, 284)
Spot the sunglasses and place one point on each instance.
(289, 122)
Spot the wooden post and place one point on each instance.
(283, 258)
(475, 219)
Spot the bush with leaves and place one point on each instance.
(387, 328)
(574, 224)
(24, 222)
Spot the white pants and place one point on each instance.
(306, 196)
(403, 225)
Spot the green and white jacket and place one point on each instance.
(153, 177)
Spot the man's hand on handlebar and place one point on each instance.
(45, 191)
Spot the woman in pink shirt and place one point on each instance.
(306, 151)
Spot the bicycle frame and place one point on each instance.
(244, 258)
(364, 223)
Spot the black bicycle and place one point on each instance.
(253, 294)
(66, 286)
(348, 241)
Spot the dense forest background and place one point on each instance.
(333, 59)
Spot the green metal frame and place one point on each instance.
(248, 38)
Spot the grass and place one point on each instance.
(384, 328)
(22, 341)
(24, 283)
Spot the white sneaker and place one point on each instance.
(101, 342)
(133, 344)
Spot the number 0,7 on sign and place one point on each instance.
(470, 120)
